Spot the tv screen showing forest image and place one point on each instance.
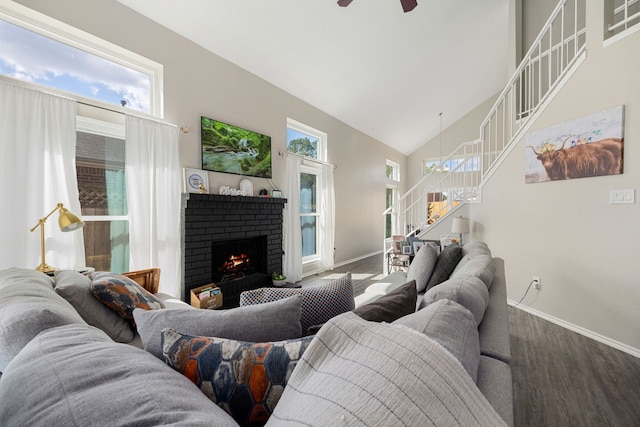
(231, 149)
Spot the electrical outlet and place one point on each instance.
(537, 282)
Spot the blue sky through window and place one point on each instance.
(32, 57)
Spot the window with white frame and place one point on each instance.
(455, 165)
(310, 144)
(393, 171)
(40, 50)
(620, 16)
(393, 183)
(100, 164)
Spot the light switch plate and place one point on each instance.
(622, 196)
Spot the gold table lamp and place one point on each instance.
(67, 221)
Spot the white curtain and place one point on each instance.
(292, 264)
(153, 173)
(37, 150)
(327, 218)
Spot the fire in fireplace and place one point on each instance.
(235, 267)
(235, 259)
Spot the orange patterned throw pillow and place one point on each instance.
(122, 294)
(245, 379)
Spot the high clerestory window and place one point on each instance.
(40, 50)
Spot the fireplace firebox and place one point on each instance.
(237, 258)
(250, 228)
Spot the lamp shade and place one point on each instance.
(68, 221)
(460, 225)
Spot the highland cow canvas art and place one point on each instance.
(589, 146)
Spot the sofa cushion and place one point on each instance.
(470, 292)
(74, 287)
(245, 379)
(122, 294)
(319, 303)
(364, 373)
(451, 325)
(481, 266)
(26, 309)
(75, 375)
(422, 266)
(275, 321)
(18, 276)
(447, 261)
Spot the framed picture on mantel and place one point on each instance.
(196, 181)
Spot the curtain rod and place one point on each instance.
(183, 129)
(309, 159)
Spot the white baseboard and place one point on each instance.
(340, 264)
(578, 329)
(358, 259)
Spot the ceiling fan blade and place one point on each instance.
(344, 3)
(408, 5)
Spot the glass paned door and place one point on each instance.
(309, 214)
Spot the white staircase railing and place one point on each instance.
(557, 50)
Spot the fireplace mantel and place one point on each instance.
(207, 218)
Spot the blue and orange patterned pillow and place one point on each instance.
(122, 294)
(245, 379)
(319, 303)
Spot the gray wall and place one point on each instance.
(566, 232)
(197, 82)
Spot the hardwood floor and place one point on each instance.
(363, 273)
(560, 378)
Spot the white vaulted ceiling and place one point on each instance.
(384, 72)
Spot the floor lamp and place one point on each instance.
(67, 221)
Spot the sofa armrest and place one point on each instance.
(494, 328)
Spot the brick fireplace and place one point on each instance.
(211, 222)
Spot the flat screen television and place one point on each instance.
(231, 149)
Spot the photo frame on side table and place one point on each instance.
(446, 240)
(417, 245)
(196, 181)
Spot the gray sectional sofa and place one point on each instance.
(473, 266)
(444, 364)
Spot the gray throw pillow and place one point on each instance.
(447, 261)
(274, 321)
(451, 325)
(480, 266)
(74, 287)
(75, 375)
(26, 309)
(356, 372)
(470, 292)
(422, 266)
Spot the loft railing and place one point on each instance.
(559, 48)
(554, 52)
(624, 16)
(454, 180)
